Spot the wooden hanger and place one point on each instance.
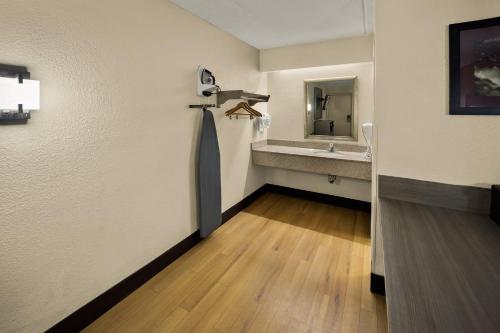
(246, 107)
(243, 105)
(250, 109)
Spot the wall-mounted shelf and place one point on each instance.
(251, 98)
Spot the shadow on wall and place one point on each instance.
(252, 172)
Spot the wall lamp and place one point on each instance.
(18, 94)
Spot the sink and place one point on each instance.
(327, 152)
(340, 154)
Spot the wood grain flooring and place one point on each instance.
(442, 269)
(281, 265)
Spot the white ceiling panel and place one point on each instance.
(272, 23)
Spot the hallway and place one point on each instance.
(281, 265)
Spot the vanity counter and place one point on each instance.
(352, 164)
(311, 152)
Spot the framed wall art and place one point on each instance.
(475, 67)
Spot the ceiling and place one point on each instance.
(272, 23)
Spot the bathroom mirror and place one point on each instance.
(330, 111)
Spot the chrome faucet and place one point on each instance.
(332, 148)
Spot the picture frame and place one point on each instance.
(474, 73)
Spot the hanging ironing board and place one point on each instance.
(208, 174)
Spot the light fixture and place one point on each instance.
(309, 107)
(18, 94)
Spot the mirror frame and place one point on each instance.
(354, 125)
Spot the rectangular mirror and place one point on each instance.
(330, 111)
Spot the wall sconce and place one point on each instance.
(18, 94)
(309, 107)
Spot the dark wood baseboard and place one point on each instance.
(228, 214)
(320, 197)
(377, 284)
(88, 313)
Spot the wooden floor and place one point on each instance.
(281, 265)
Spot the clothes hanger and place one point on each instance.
(239, 106)
(250, 109)
(243, 105)
(251, 112)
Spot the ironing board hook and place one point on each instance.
(204, 107)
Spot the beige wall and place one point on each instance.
(416, 136)
(287, 104)
(343, 187)
(287, 107)
(101, 179)
(334, 52)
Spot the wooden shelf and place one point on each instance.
(251, 98)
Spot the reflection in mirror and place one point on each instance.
(330, 109)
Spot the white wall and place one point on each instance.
(101, 179)
(287, 107)
(416, 136)
(343, 187)
(333, 52)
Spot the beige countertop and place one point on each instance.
(313, 158)
(311, 152)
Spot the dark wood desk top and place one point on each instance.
(442, 269)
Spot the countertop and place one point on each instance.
(442, 268)
(310, 152)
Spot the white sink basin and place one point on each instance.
(329, 153)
